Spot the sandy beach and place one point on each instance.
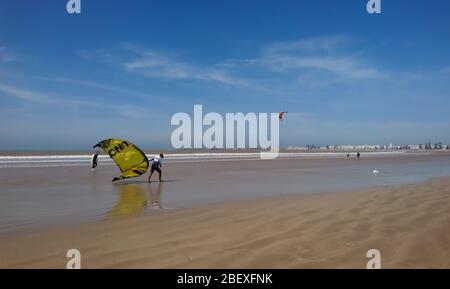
(224, 135)
(408, 224)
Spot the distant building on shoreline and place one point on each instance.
(416, 147)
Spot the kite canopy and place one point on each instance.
(129, 158)
(281, 115)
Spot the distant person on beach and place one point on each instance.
(358, 155)
(348, 155)
(156, 164)
(94, 160)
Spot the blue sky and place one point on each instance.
(122, 68)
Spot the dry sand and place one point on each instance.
(409, 224)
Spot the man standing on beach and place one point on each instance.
(94, 160)
(156, 164)
(358, 155)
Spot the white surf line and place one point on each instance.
(306, 157)
(83, 158)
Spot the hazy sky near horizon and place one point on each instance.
(123, 68)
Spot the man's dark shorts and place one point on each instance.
(155, 167)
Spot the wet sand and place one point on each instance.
(408, 224)
(42, 197)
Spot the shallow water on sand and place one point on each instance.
(45, 196)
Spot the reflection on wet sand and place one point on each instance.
(155, 196)
(133, 200)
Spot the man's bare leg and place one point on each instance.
(150, 177)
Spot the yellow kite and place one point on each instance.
(129, 158)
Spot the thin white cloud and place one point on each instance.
(23, 94)
(6, 55)
(318, 54)
(43, 98)
(346, 67)
(309, 63)
(155, 64)
(312, 62)
(97, 85)
(52, 99)
(232, 63)
(314, 44)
